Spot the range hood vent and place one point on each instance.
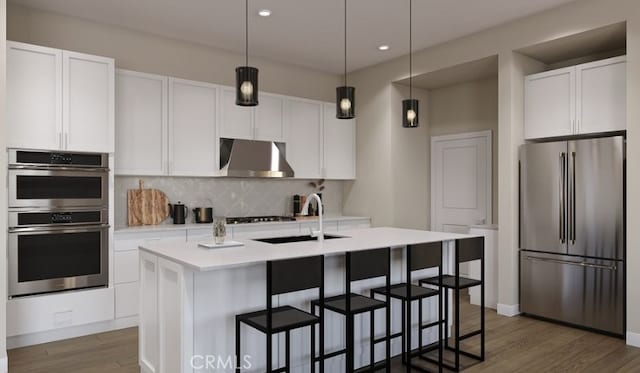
(252, 158)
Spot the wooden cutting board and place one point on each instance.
(146, 206)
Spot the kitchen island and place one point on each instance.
(189, 297)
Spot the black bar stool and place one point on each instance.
(467, 250)
(286, 276)
(421, 256)
(361, 265)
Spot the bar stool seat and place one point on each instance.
(283, 318)
(449, 281)
(359, 304)
(399, 291)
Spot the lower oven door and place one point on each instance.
(43, 260)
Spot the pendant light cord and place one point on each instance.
(246, 32)
(410, 52)
(345, 43)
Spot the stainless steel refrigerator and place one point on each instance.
(572, 232)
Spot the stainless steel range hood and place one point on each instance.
(252, 158)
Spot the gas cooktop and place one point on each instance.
(258, 219)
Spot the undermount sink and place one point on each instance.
(289, 239)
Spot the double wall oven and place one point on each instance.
(58, 221)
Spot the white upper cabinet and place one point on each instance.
(602, 96)
(339, 145)
(304, 138)
(549, 108)
(576, 100)
(192, 128)
(141, 123)
(59, 100)
(269, 118)
(88, 102)
(34, 96)
(236, 122)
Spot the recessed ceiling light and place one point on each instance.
(383, 48)
(264, 13)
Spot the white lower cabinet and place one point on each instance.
(126, 298)
(125, 266)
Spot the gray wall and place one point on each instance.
(468, 107)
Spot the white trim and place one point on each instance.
(72, 332)
(464, 136)
(4, 363)
(633, 339)
(508, 310)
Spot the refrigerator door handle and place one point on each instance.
(569, 262)
(573, 198)
(561, 208)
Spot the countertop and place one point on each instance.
(172, 227)
(197, 258)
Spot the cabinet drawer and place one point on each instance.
(127, 299)
(203, 234)
(126, 266)
(125, 241)
(264, 230)
(354, 224)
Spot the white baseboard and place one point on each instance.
(71, 332)
(508, 310)
(633, 339)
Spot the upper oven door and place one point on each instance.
(58, 188)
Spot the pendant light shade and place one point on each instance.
(345, 95)
(345, 102)
(410, 112)
(246, 86)
(246, 76)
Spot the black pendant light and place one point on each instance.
(345, 95)
(246, 76)
(410, 106)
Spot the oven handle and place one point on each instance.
(66, 229)
(58, 168)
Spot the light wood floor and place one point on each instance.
(516, 344)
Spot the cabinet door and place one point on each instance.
(34, 98)
(192, 128)
(549, 104)
(236, 122)
(339, 145)
(304, 138)
(141, 123)
(602, 96)
(88, 102)
(269, 123)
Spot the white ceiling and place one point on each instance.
(304, 32)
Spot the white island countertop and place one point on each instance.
(197, 258)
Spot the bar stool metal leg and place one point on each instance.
(404, 335)
(269, 352)
(313, 349)
(373, 336)
(237, 345)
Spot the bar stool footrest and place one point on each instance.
(472, 334)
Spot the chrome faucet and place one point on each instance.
(305, 211)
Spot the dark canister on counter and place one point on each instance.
(296, 205)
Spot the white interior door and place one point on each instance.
(460, 181)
